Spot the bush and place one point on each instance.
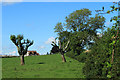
(82, 57)
(98, 63)
(71, 54)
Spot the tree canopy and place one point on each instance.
(22, 45)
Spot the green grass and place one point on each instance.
(44, 66)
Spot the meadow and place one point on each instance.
(43, 66)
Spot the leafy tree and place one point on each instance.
(58, 28)
(77, 20)
(81, 20)
(83, 29)
(22, 45)
(116, 24)
(98, 62)
(103, 60)
(62, 48)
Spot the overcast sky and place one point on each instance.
(36, 21)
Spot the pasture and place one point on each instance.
(43, 66)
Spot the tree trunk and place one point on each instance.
(113, 55)
(63, 58)
(22, 59)
(115, 45)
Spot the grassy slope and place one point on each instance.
(45, 66)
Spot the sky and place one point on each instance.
(36, 21)
(59, 0)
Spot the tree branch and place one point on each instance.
(59, 44)
(66, 45)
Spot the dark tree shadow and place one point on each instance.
(70, 61)
(41, 63)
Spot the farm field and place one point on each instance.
(44, 66)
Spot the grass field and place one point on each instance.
(44, 66)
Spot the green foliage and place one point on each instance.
(77, 20)
(21, 44)
(96, 22)
(80, 20)
(102, 61)
(82, 57)
(77, 43)
(98, 63)
(81, 31)
(64, 36)
(59, 27)
(71, 54)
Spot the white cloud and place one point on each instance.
(42, 47)
(0, 52)
(99, 34)
(109, 23)
(11, 0)
(7, 3)
(11, 53)
(49, 41)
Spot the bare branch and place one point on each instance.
(59, 44)
(66, 45)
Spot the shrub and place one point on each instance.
(98, 63)
(82, 57)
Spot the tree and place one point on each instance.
(83, 29)
(103, 60)
(62, 48)
(22, 45)
(116, 24)
(98, 62)
(115, 36)
(80, 20)
(58, 28)
(77, 20)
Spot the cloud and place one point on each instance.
(0, 52)
(7, 3)
(11, 53)
(109, 23)
(49, 41)
(10, 2)
(99, 34)
(42, 47)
